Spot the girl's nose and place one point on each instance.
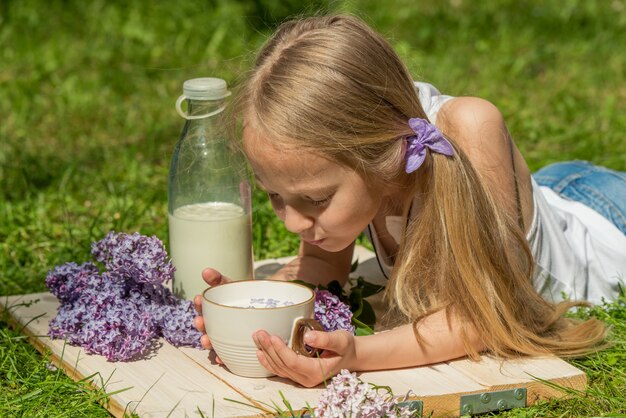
(295, 221)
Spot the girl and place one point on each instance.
(478, 255)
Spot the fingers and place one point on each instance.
(198, 322)
(197, 302)
(278, 358)
(268, 360)
(337, 341)
(213, 277)
(205, 341)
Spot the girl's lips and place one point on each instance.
(316, 242)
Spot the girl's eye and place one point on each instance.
(321, 202)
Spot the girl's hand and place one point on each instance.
(339, 353)
(212, 277)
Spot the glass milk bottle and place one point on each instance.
(208, 194)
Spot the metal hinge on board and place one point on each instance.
(479, 403)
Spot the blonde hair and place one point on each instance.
(333, 86)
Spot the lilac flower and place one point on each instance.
(103, 322)
(135, 256)
(120, 312)
(348, 397)
(343, 397)
(156, 294)
(332, 313)
(122, 331)
(175, 324)
(68, 280)
(68, 323)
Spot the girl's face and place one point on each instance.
(326, 203)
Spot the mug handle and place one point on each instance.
(301, 326)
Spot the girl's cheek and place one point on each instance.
(279, 209)
(280, 215)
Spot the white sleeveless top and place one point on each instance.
(578, 253)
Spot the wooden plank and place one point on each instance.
(437, 386)
(496, 374)
(262, 391)
(177, 381)
(167, 383)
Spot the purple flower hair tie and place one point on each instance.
(426, 136)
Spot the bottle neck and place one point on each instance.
(199, 108)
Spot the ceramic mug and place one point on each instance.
(234, 311)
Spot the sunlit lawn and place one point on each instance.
(87, 127)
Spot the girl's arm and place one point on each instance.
(317, 266)
(312, 265)
(441, 341)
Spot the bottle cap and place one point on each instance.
(205, 88)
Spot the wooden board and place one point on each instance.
(182, 381)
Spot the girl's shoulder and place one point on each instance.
(477, 126)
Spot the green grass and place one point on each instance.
(87, 93)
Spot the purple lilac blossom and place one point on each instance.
(120, 312)
(156, 294)
(103, 322)
(68, 323)
(332, 313)
(135, 256)
(173, 320)
(68, 280)
(123, 330)
(174, 328)
(348, 397)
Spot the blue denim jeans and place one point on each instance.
(602, 189)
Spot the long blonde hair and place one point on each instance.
(333, 86)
